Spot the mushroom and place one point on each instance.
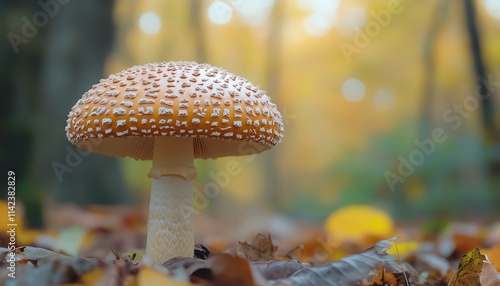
(172, 113)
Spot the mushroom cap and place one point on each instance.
(225, 114)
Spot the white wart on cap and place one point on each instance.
(178, 99)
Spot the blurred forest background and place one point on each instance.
(357, 82)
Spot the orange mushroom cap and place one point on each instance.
(121, 115)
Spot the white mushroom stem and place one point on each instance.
(170, 223)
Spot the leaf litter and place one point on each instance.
(107, 255)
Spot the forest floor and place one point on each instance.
(103, 246)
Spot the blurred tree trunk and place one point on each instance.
(274, 188)
(490, 129)
(439, 19)
(19, 86)
(75, 49)
(480, 69)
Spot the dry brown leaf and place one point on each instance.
(279, 269)
(261, 249)
(230, 270)
(489, 276)
(387, 278)
(52, 268)
(270, 270)
(427, 261)
(190, 264)
(436, 269)
(296, 253)
(352, 270)
(40, 256)
(218, 269)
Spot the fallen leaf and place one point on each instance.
(489, 276)
(56, 268)
(218, 269)
(93, 277)
(388, 278)
(30, 236)
(357, 223)
(321, 248)
(430, 262)
(279, 269)
(188, 263)
(5, 220)
(352, 270)
(149, 276)
(404, 249)
(261, 249)
(40, 256)
(469, 269)
(230, 270)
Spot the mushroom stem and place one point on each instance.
(170, 223)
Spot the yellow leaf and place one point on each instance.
(149, 276)
(4, 218)
(88, 239)
(92, 277)
(28, 236)
(358, 222)
(403, 249)
(131, 281)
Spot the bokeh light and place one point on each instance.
(318, 24)
(493, 7)
(150, 23)
(322, 17)
(220, 12)
(353, 90)
(254, 12)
